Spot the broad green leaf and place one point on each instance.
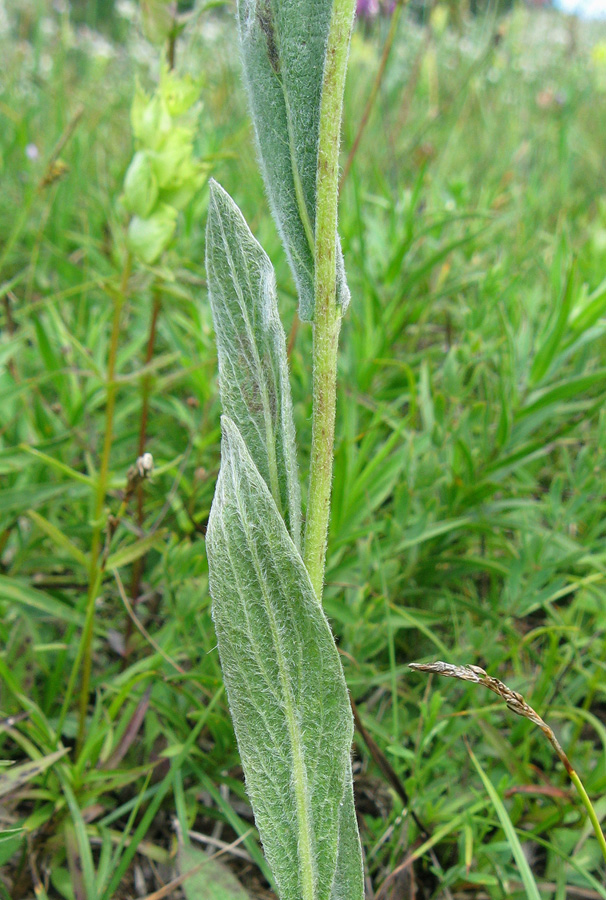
(210, 878)
(253, 369)
(283, 53)
(285, 686)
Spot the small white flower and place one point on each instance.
(145, 464)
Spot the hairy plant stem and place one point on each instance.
(327, 315)
(95, 574)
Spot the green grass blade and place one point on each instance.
(84, 849)
(530, 885)
(59, 538)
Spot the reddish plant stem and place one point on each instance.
(374, 90)
(139, 563)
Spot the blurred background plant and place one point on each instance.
(469, 510)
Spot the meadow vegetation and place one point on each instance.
(469, 511)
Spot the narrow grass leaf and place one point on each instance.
(17, 591)
(124, 855)
(530, 885)
(85, 857)
(58, 465)
(549, 347)
(283, 53)
(253, 370)
(59, 538)
(16, 776)
(125, 555)
(15, 501)
(285, 686)
(238, 824)
(433, 531)
(584, 317)
(568, 389)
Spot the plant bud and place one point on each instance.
(140, 186)
(169, 157)
(149, 238)
(150, 119)
(192, 176)
(178, 92)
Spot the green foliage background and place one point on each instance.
(469, 514)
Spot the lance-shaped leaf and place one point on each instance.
(283, 52)
(349, 874)
(253, 369)
(285, 687)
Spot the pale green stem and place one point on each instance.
(590, 810)
(84, 653)
(327, 315)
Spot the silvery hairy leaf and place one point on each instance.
(283, 51)
(253, 369)
(285, 686)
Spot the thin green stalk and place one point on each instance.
(590, 810)
(327, 315)
(95, 569)
(84, 653)
(516, 703)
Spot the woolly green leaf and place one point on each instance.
(283, 52)
(285, 686)
(347, 883)
(253, 370)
